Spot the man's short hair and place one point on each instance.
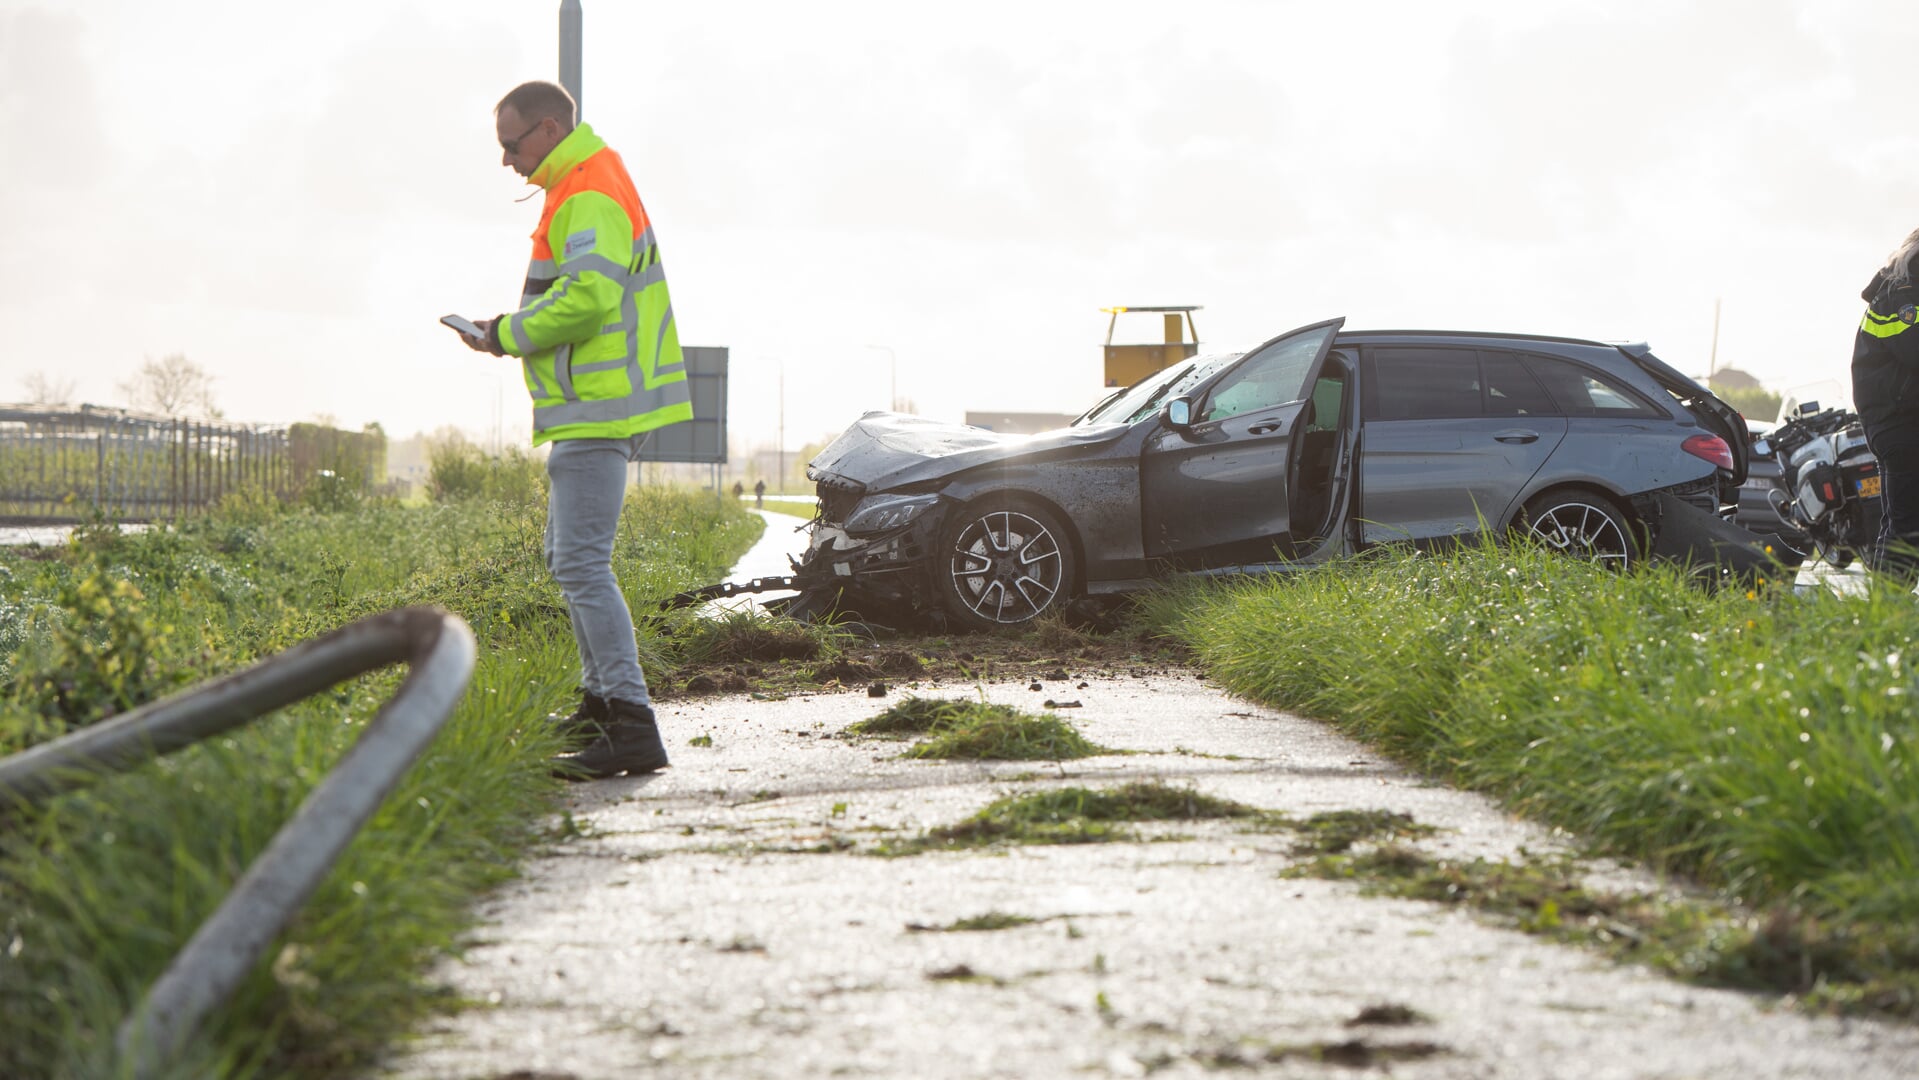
(538, 100)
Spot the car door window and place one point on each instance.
(1423, 383)
(1579, 391)
(1510, 388)
(1274, 375)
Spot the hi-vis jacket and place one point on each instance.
(1885, 356)
(595, 327)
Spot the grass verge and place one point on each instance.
(1702, 941)
(1760, 742)
(99, 888)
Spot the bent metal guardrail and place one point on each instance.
(439, 649)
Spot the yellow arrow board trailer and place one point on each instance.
(1128, 364)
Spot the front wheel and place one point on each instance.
(1583, 524)
(1004, 562)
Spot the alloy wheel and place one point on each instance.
(1583, 531)
(1007, 567)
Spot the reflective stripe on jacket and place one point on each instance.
(595, 328)
(1885, 326)
(1885, 358)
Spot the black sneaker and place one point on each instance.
(585, 721)
(628, 742)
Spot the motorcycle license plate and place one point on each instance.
(1868, 487)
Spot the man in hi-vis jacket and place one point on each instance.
(601, 357)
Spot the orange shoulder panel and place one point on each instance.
(605, 173)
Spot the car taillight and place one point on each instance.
(1709, 448)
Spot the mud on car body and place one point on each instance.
(1317, 443)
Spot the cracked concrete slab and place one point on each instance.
(707, 923)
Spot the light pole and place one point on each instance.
(893, 370)
(781, 476)
(571, 48)
(499, 409)
(498, 386)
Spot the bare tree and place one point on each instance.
(44, 389)
(172, 386)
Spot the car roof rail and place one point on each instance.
(1502, 335)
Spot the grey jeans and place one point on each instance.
(588, 484)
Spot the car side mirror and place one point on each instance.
(1178, 414)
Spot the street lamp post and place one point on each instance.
(495, 439)
(781, 475)
(571, 49)
(893, 370)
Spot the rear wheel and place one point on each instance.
(1581, 523)
(1005, 561)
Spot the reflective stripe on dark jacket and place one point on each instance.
(1885, 355)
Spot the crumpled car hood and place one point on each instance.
(885, 450)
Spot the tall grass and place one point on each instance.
(1762, 742)
(99, 888)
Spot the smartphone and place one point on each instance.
(463, 325)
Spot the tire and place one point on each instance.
(1581, 523)
(1005, 561)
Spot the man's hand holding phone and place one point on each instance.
(477, 335)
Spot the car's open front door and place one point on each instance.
(1214, 492)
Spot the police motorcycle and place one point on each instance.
(1814, 484)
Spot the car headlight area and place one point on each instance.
(882, 513)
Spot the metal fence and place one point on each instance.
(67, 464)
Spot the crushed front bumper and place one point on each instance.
(884, 576)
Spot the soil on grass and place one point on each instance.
(1054, 660)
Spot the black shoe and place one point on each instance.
(585, 721)
(628, 742)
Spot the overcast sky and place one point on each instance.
(291, 194)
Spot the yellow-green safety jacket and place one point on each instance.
(595, 329)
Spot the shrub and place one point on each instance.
(105, 656)
(460, 471)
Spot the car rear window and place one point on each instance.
(1581, 391)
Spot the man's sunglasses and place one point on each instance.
(512, 146)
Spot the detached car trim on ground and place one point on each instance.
(1318, 443)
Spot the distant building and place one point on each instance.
(1731, 378)
(1019, 423)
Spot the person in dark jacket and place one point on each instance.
(1885, 393)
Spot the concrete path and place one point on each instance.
(708, 922)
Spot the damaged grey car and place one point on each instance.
(1319, 443)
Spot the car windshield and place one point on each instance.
(1140, 399)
